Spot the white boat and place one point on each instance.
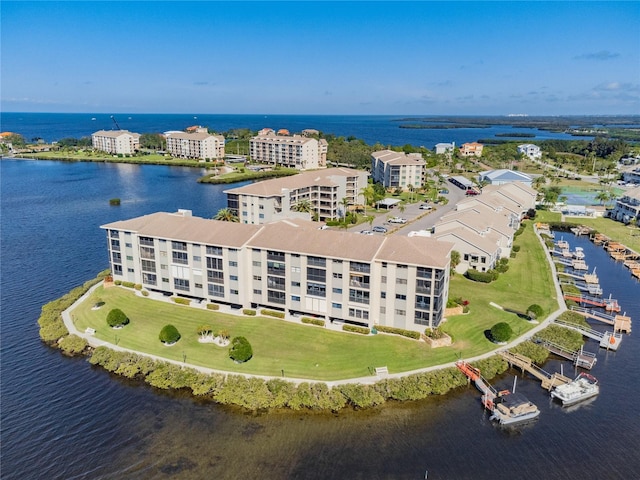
(584, 386)
(513, 408)
(578, 253)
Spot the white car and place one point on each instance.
(366, 232)
(426, 207)
(397, 220)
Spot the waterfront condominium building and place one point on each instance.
(398, 169)
(117, 142)
(326, 193)
(199, 144)
(302, 153)
(289, 266)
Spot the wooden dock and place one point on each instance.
(620, 323)
(579, 358)
(547, 380)
(608, 340)
(609, 304)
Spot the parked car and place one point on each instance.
(426, 207)
(379, 229)
(444, 191)
(366, 232)
(397, 220)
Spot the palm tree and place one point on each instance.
(303, 206)
(402, 207)
(345, 204)
(411, 189)
(368, 193)
(226, 215)
(540, 181)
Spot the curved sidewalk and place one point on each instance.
(67, 317)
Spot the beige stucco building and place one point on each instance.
(119, 142)
(289, 266)
(398, 169)
(199, 144)
(325, 190)
(302, 153)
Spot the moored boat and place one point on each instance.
(513, 408)
(583, 387)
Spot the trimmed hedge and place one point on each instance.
(483, 277)
(516, 248)
(213, 306)
(398, 331)
(248, 311)
(272, 313)
(117, 318)
(240, 350)
(313, 321)
(501, 332)
(181, 300)
(169, 334)
(356, 329)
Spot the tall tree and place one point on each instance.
(226, 215)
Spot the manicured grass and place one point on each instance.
(313, 352)
(153, 159)
(300, 350)
(629, 236)
(528, 281)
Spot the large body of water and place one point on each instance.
(370, 128)
(64, 419)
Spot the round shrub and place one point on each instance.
(535, 311)
(117, 318)
(169, 334)
(240, 350)
(501, 332)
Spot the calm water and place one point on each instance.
(370, 128)
(63, 419)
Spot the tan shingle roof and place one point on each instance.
(114, 133)
(188, 229)
(397, 158)
(273, 187)
(193, 136)
(473, 239)
(415, 251)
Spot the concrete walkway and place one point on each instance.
(67, 317)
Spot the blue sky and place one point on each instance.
(413, 58)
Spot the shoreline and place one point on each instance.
(349, 390)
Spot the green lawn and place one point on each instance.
(528, 281)
(314, 352)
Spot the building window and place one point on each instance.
(383, 310)
(257, 291)
(336, 305)
(401, 281)
(180, 257)
(295, 269)
(295, 298)
(360, 267)
(277, 283)
(295, 284)
(316, 274)
(233, 277)
(399, 296)
(357, 313)
(400, 312)
(115, 244)
(383, 294)
(197, 258)
(233, 263)
(358, 296)
(257, 277)
(257, 263)
(316, 289)
(216, 290)
(276, 297)
(337, 275)
(116, 257)
(181, 284)
(233, 292)
(337, 290)
(148, 266)
(148, 241)
(197, 285)
(128, 245)
(422, 318)
(117, 269)
(215, 276)
(316, 261)
(179, 246)
(214, 250)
